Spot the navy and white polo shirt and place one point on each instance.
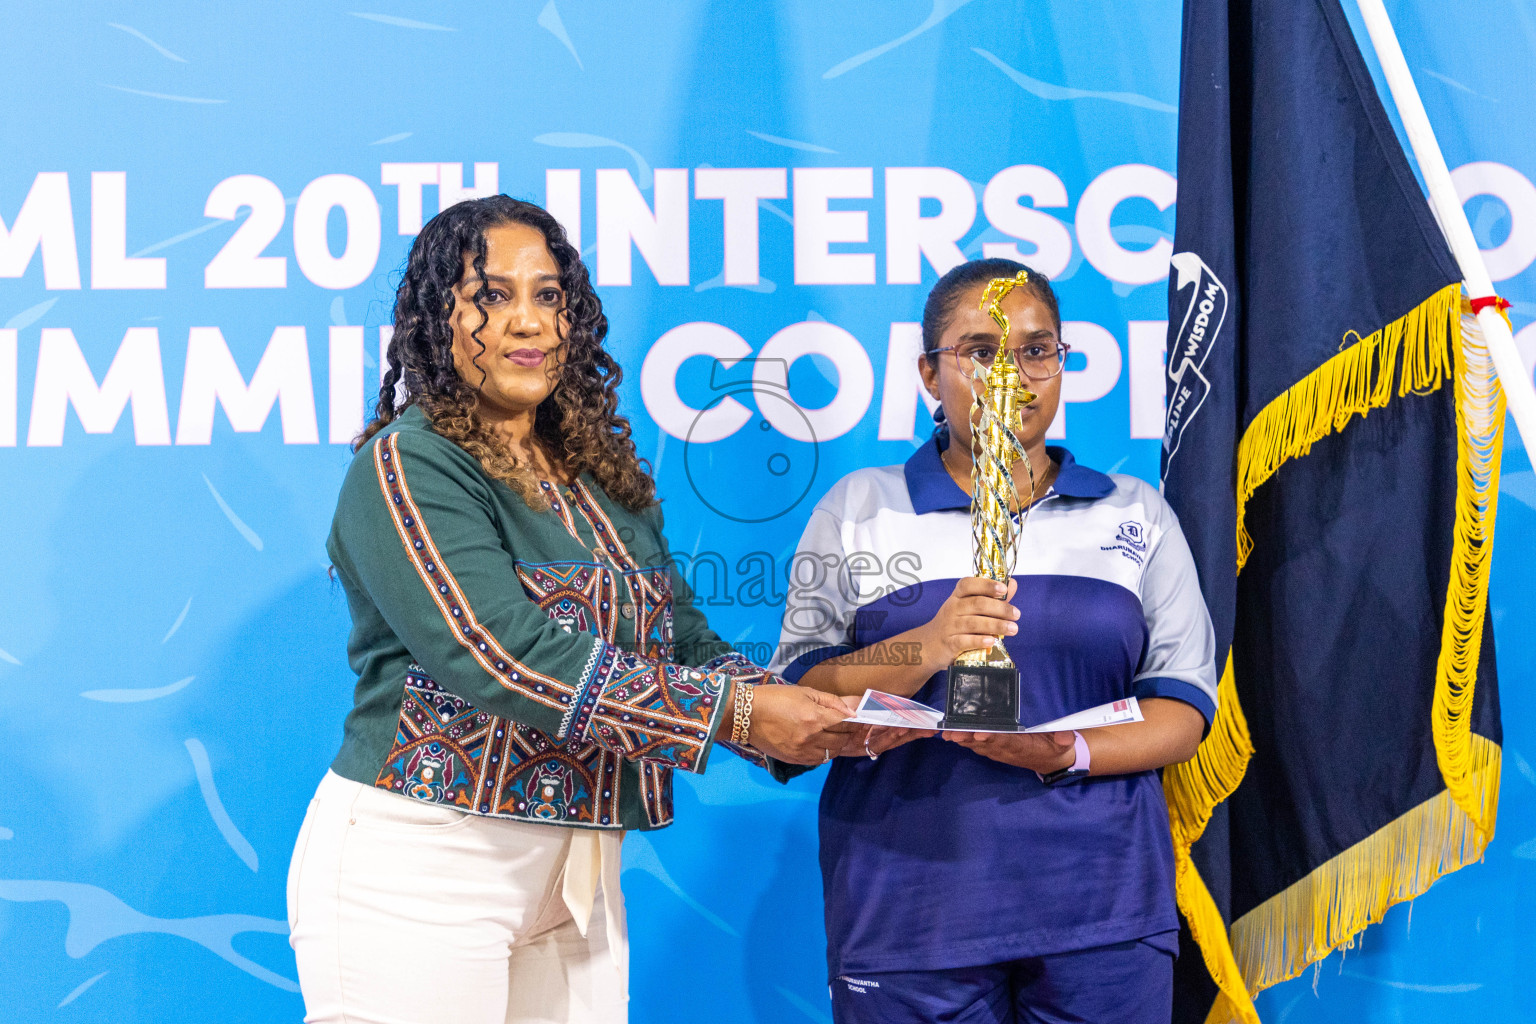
(933, 856)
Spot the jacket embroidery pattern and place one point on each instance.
(626, 705)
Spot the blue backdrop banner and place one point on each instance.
(205, 211)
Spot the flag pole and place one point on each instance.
(1518, 392)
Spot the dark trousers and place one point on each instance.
(1127, 983)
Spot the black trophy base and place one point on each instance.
(982, 697)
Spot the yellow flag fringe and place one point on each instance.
(1351, 384)
(1288, 932)
(1479, 447)
(1437, 340)
(1193, 789)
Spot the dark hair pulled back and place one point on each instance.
(578, 422)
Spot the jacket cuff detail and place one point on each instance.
(736, 665)
(662, 713)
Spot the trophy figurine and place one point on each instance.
(984, 683)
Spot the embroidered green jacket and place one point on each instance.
(538, 664)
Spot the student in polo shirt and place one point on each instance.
(1001, 878)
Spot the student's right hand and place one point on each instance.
(970, 619)
(798, 724)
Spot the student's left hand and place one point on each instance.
(884, 737)
(1043, 752)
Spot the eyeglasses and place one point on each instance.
(1036, 360)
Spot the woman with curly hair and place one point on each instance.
(530, 670)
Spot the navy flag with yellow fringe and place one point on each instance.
(1332, 451)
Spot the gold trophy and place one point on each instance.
(984, 683)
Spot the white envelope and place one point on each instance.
(877, 708)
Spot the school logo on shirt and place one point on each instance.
(1130, 541)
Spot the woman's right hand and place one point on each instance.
(797, 724)
(972, 617)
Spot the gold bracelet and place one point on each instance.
(746, 718)
(738, 733)
(742, 726)
(736, 713)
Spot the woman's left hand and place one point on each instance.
(1043, 752)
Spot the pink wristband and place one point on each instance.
(1080, 746)
(1077, 769)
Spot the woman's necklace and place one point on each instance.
(944, 458)
(1044, 485)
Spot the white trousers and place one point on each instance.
(404, 912)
